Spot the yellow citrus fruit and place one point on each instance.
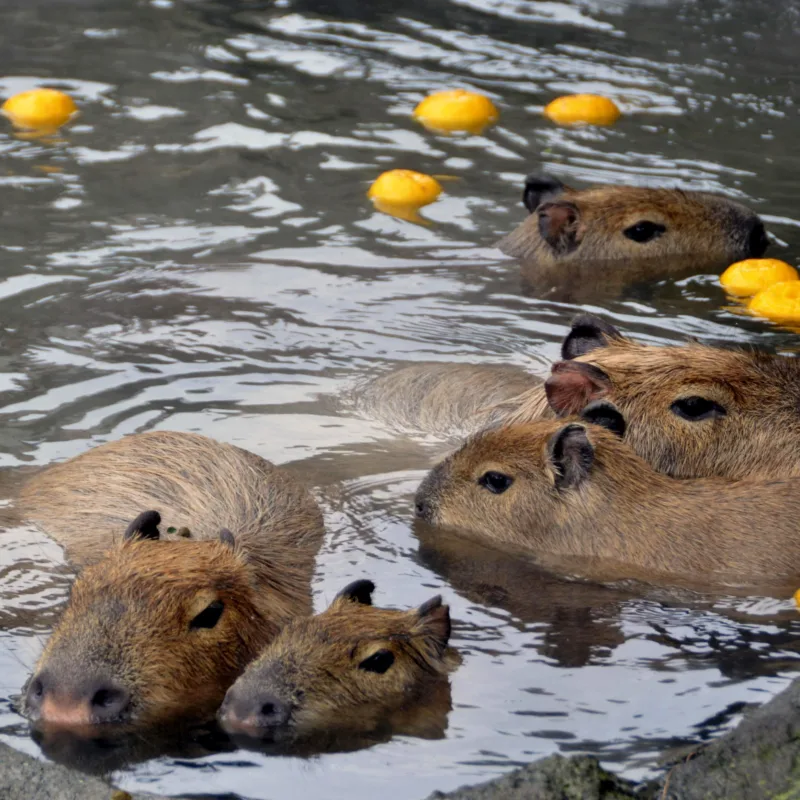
(779, 302)
(797, 598)
(748, 277)
(39, 109)
(456, 110)
(582, 109)
(404, 188)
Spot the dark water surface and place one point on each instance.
(197, 253)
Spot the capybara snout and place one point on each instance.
(71, 696)
(608, 223)
(140, 636)
(350, 668)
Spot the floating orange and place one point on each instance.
(39, 109)
(582, 109)
(456, 110)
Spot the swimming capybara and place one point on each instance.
(159, 624)
(574, 495)
(577, 243)
(691, 410)
(353, 667)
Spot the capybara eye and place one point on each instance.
(644, 231)
(378, 662)
(209, 616)
(695, 409)
(495, 482)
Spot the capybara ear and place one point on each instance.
(605, 414)
(587, 333)
(571, 456)
(145, 526)
(539, 188)
(558, 226)
(226, 537)
(433, 622)
(357, 592)
(572, 385)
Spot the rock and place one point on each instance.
(552, 778)
(25, 778)
(757, 760)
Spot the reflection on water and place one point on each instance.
(197, 252)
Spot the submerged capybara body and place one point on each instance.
(573, 491)
(578, 242)
(691, 410)
(352, 668)
(160, 623)
(442, 400)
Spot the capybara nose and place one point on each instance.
(108, 702)
(243, 711)
(35, 695)
(91, 703)
(757, 241)
(422, 509)
(272, 711)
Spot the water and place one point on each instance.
(197, 253)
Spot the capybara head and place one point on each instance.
(348, 669)
(631, 223)
(155, 631)
(691, 410)
(518, 484)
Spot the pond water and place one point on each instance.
(197, 253)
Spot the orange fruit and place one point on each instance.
(456, 110)
(779, 302)
(39, 109)
(749, 277)
(582, 109)
(404, 188)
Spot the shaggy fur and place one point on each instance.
(313, 665)
(443, 400)
(579, 492)
(128, 618)
(759, 434)
(573, 243)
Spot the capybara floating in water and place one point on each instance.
(573, 494)
(352, 668)
(158, 626)
(691, 410)
(580, 243)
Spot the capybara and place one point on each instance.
(575, 495)
(353, 667)
(444, 400)
(159, 624)
(582, 241)
(691, 410)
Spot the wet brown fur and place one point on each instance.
(622, 519)
(572, 247)
(129, 612)
(758, 436)
(313, 664)
(697, 223)
(443, 400)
